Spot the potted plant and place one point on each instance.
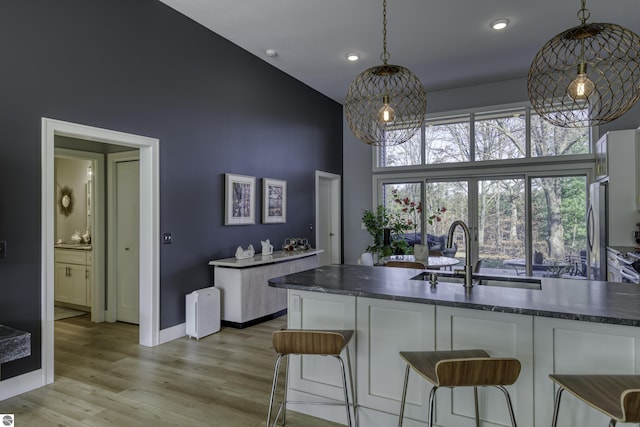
(386, 229)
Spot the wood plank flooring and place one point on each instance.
(104, 378)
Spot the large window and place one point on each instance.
(507, 134)
(518, 182)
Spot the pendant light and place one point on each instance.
(587, 75)
(385, 104)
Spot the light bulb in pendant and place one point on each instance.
(581, 87)
(386, 114)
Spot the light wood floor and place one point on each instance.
(104, 378)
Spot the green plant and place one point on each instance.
(376, 223)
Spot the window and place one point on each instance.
(500, 135)
(507, 134)
(519, 183)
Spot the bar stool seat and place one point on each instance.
(616, 396)
(318, 343)
(460, 368)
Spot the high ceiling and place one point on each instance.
(446, 43)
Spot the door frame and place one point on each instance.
(113, 159)
(149, 229)
(335, 188)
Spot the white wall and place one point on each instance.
(357, 157)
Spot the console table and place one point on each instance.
(246, 297)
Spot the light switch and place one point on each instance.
(295, 302)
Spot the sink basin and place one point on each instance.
(484, 280)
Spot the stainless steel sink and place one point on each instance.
(483, 280)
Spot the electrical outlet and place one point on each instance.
(166, 238)
(362, 226)
(3, 249)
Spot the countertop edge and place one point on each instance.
(553, 304)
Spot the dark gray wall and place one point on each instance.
(142, 68)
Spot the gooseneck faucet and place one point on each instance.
(468, 266)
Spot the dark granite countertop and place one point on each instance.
(585, 300)
(14, 344)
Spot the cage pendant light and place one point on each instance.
(385, 104)
(587, 75)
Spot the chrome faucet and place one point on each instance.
(468, 265)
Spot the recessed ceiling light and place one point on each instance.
(499, 24)
(353, 56)
(271, 53)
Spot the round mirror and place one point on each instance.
(66, 201)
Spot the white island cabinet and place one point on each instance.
(593, 331)
(246, 297)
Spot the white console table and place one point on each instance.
(246, 296)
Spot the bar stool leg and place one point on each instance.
(274, 385)
(556, 407)
(509, 405)
(475, 404)
(346, 391)
(353, 389)
(432, 401)
(286, 389)
(404, 394)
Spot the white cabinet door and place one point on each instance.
(501, 335)
(316, 377)
(572, 347)
(385, 328)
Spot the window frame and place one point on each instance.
(527, 168)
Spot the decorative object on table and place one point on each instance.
(274, 201)
(376, 223)
(385, 104)
(296, 244)
(412, 213)
(86, 237)
(587, 75)
(76, 238)
(244, 254)
(66, 201)
(240, 191)
(267, 247)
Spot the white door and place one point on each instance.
(127, 241)
(328, 225)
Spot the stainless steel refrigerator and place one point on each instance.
(612, 214)
(597, 231)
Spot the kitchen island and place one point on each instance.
(567, 326)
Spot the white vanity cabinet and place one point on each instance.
(73, 276)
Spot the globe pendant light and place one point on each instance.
(385, 104)
(587, 75)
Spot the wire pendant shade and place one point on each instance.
(385, 104)
(587, 75)
(366, 96)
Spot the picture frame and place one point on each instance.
(274, 201)
(240, 197)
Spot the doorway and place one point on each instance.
(328, 218)
(149, 228)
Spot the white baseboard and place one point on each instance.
(172, 333)
(21, 384)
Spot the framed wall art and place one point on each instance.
(240, 205)
(274, 201)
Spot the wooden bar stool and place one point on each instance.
(460, 368)
(312, 342)
(616, 396)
